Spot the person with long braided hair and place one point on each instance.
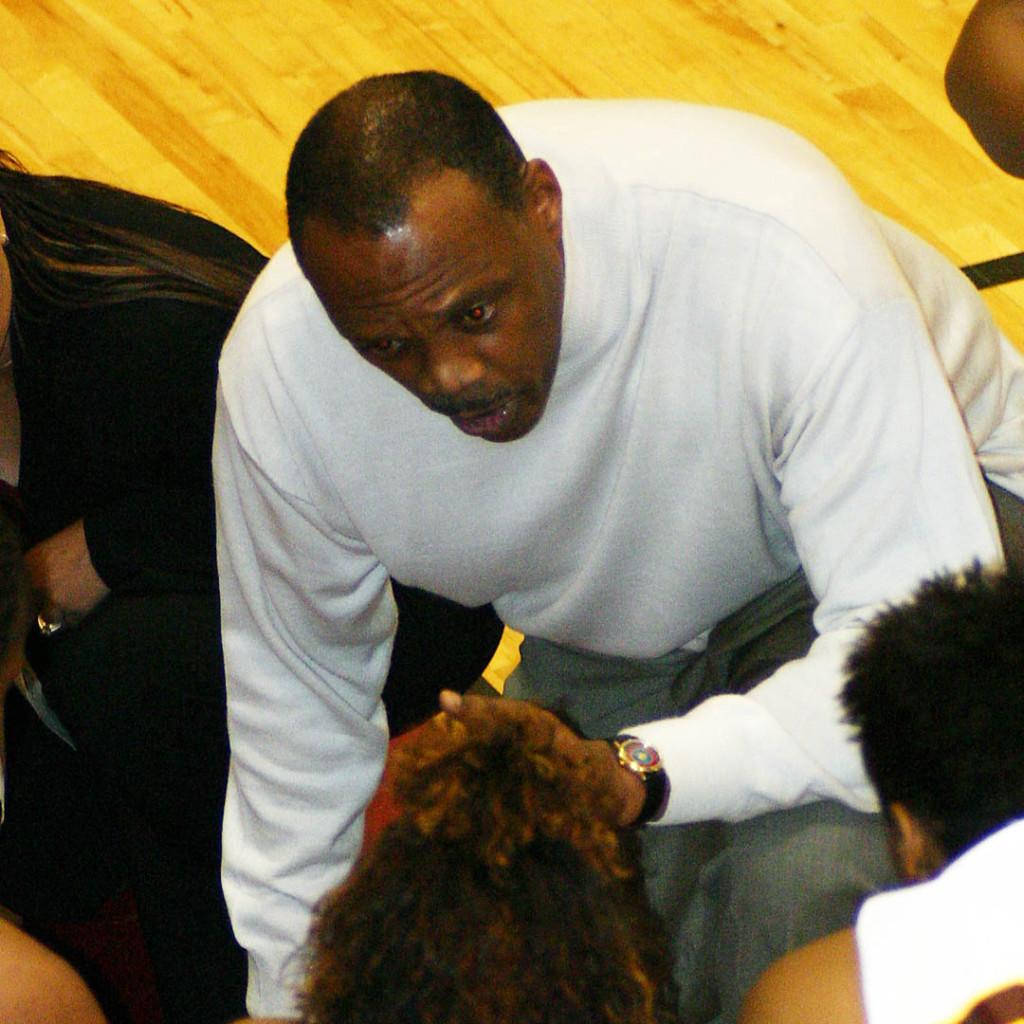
(113, 311)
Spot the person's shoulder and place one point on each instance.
(745, 172)
(156, 219)
(280, 298)
(670, 141)
(282, 343)
(37, 985)
(651, 117)
(282, 279)
(818, 982)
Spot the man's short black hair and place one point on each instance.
(358, 160)
(936, 693)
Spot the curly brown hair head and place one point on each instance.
(502, 895)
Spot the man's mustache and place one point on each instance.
(466, 405)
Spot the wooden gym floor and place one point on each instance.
(198, 101)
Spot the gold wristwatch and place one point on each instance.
(645, 762)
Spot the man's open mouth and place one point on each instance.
(485, 423)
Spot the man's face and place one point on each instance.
(461, 304)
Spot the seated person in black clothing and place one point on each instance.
(113, 310)
(503, 892)
(36, 986)
(936, 693)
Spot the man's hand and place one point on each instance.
(627, 787)
(62, 576)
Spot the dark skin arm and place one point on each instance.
(818, 982)
(985, 80)
(37, 985)
(62, 576)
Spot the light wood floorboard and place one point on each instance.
(199, 101)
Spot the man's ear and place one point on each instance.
(917, 853)
(543, 197)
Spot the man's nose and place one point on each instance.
(453, 365)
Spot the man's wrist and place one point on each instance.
(643, 763)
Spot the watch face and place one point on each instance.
(635, 754)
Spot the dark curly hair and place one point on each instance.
(936, 692)
(356, 162)
(502, 895)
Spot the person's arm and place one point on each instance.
(150, 383)
(153, 427)
(143, 497)
(861, 451)
(881, 489)
(37, 985)
(985, 80)
(157, 536)
(62, 577)
(308, 621)
(818, 982)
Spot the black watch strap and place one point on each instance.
(645, 762)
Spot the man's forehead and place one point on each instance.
(441, 198)
(430, 260)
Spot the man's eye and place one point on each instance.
(382, 347)
(478, 315)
